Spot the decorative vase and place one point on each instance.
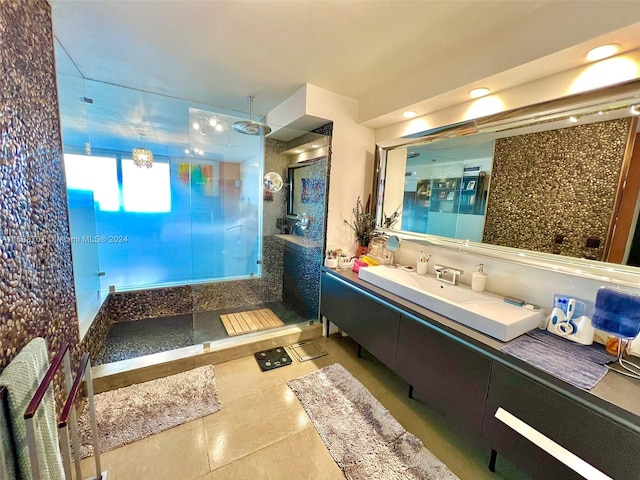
(361, 250)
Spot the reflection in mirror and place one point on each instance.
(445, 189)
(308, 183)
(550, 184)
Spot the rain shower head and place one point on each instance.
(251, 127)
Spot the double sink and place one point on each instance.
(482, 311)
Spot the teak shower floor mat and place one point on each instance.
(250, 321)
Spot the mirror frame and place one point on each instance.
(616, 96)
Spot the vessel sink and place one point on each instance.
(482, 311)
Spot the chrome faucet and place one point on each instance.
(441, 271)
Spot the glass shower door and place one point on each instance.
(223, 169)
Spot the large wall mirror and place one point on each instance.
(560, 179)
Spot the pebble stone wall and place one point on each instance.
(36, 278)
(551, 191)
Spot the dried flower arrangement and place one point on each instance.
(364, 222)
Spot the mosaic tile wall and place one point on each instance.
(97, 333)
(152, 303)
(551, 191)
(37, 296)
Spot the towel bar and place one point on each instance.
(69, 413)
(61, 357)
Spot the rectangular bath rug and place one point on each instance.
(574, 369)
(137, 411)
(362, 436)
(250, 321)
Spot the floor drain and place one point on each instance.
(308, 350)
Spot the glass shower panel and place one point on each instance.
(223, 172)
(80, 195)
(147, 238)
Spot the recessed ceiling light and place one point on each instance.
(603, 51)
(315, 146)
(186, 150)
(218, 128)
(409, 114)
(195, 125)
(573, 119)
(213, 122)
(635, 109)
(297, 151)
(479, 92)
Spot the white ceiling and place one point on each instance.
(390, 55)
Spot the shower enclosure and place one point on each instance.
(160, 253)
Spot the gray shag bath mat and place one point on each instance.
(362, 436)
(140, 410)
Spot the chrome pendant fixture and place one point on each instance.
(142, 157)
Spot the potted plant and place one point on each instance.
(363, 223)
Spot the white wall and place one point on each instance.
(352, 154)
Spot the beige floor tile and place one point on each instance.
(243, 378)
(262, 430)
(208, 476)
(300, 456)
(252, 423)
(178, 453)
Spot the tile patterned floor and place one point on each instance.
(262, 431)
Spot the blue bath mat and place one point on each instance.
(595, 353)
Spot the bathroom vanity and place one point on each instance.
(507, 406)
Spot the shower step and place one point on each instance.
(142, 369)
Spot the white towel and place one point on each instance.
(22, 377)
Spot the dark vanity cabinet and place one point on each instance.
(490, 398)
(451, 378)
(604, 443)
(370, 323)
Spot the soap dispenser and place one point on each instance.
(479, 279)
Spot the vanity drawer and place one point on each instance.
(517, 403)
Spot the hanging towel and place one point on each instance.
(22, 377)
(7, 462)
(617, 312)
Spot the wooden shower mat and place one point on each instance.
(250, 321)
